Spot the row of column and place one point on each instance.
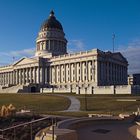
(84, 71)
(24, 76)
(112, 73)
(51, 45)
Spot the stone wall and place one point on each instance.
(104, 90)
(56, 90)
(123, 89)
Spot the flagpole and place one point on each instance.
(13, 59)
(113, 42)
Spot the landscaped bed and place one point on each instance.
(22, 126)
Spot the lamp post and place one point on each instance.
(52, 129)
(31, 129)
(93, 75)
(14, 133)
(113, 42)
(85, 98)
(113, 45)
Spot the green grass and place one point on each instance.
(52, 104)
(39, 103)
(109, 104)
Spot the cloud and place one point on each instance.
(25, 52)
(76, 46)
(7, 57)
(132, 53)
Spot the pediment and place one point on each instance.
(25, 61)
(119, 56)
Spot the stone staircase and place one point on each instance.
(12, 89)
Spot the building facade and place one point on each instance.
(134, 79)
(52, 66)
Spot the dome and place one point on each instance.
(52, 22)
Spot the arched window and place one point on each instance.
(38, 47)
(47, 44)
(42, 44)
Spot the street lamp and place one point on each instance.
(85, 98)
(31, 131)
(52, 129)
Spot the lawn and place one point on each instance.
(39, 103)
(52, 104)
(109, 104)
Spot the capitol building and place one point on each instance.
(53, 67)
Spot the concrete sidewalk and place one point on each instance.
(75, 103)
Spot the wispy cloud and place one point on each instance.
(76, 46)
(25, 52)
(132, 53)
(7, 57)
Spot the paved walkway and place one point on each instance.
(106, 131)
(75, 103)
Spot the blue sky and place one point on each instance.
(87, 24)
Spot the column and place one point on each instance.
(34, 74)
(50, 74)
(89, 71)
(20, 76)
(11, 82)
(87, 67)
(81, 72)
(43, 75)
(49, 45)
(37, 79)
(60, 74)
(53, 76)
(95, 71)
(46, 72)
(16, 75)
(67, 73)
(3, 79)
(72, 72)
(23, 79)
(11, 77)
(39, 75)
(6, 78)
(75, 71)
(27, 75)
(64, 73)
(30, 75)
(56, 76)
(0, 78)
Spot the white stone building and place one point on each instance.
(53, 67)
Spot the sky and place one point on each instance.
(88, 24)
